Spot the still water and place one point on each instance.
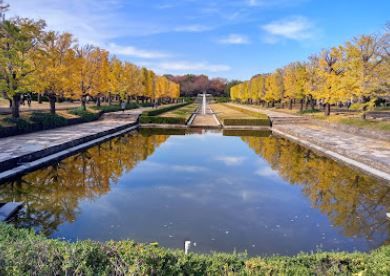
(254, 193)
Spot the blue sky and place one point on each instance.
(234, 39)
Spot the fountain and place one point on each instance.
(204, 104)
(204, 117)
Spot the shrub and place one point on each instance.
(22, 252)
(20, 123)
(47, 120)
(85, 114)
(309, 111)
(164, 109)
(247, 122)
(246, 132)
(162, 120)
(115, 108)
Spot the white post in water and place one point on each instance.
(187, 245)
(204, 104)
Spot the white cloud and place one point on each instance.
(188, 169)
(267, 171)
(234, 39)
(231, 160)
(135, 52)
(297, 28)
(195, 28)
(191, 66)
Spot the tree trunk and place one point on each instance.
(109, 99)
(307, 103)
(52, 101)
(312, 103)
(83, 103)
(15, 106)
(98, 102)
(128, 99)
(327, 109)
(39, 98)
(290, 104)
(301, 105)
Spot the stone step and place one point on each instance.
(9, 209)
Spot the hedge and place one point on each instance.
(162, 120)
(247, 122)
(115, 108)
(246, 132)
(22, 252)
(163, 109)
(85, 114)
(43, 120)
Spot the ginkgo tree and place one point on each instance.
(54, 65)
(358, 71)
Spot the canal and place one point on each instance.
(231, 191)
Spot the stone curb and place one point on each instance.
(49, 158)
(13, 162)
(336, 156)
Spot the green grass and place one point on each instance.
(183, 112)
(162, 110)
(355, 121)
(358, 122)
(24, 253)
(175, 115)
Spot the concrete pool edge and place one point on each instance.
(67, 151)
(336, 156)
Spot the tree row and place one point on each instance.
(357, 72)
(55, 65)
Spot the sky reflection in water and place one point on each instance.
(261, 194)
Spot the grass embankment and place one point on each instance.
(24, 253)
(177, 114)
(355, 120)
(41, 120)
(344, 118)
(236, 116)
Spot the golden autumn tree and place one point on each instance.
(294, 80)
(51, 67)
(274, 88)
(331, 70)
(19, 40)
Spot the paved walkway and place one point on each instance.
(373, 153)
(15, 148)
(209, 120)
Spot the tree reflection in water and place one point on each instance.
(52, 194)
(355, 202)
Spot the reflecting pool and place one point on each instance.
(254, 193)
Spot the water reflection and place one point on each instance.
(52, 195)
(209, 188)
(357, 203)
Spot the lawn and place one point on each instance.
(354, 120)
(232, 115)
(183, 112)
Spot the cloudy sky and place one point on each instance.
(229, 38)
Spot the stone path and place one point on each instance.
(208, 121)
(16, 149)
(373, 153)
